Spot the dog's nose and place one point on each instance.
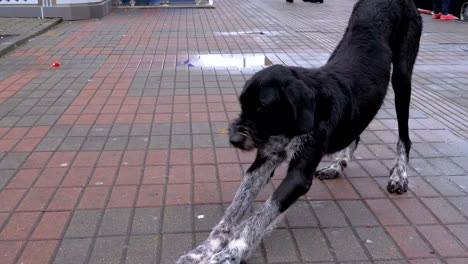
(236, 139)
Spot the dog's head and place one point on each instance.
(274, 102)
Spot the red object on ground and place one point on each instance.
(55, 64)
(448, 17)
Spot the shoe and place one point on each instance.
(448, 17)
(436, 16)
(314, 1)
(290, 1)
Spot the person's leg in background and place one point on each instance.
(441, 8)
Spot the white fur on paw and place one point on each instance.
(227, 256)
(398, 181)
(330, 172)
(196, 256)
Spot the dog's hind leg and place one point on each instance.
(339, 164)
(405, 51)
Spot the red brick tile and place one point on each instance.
(226, 155)
(50, 177)
(457, 261)
(181, 117)
(67, 119)
(143, 118)
(16, 132)
(9, 250)
(19, 226)
(415, 211)
(94, 198)
(162, 118)
(318, 191)
(409, 242)
(367, 188)
(109, 159)
(51, 225)
(10, 198)
(24, 178)
(246, 157)
(122, 196)
(230, 172)
(425, 261)
(7, 144)
(133, 157)
(205, 173)
(341, 189)
(461, 232)
(105, 119)
(36, 199)
(179, 157)
(206, 193)
(267, 191)
(37, 252)
(3, 131)
(155, 175)
(37, 132)
(124, 119)
(3, 218)
(200, 117)
(61, 159)
(203, 156)
(178, 194)
(442, 241)
(150, 195)
(86, 119)
(129, 175)
(386, 212)
(228, 190)
(77, 176)
(180, 174)
(27, 144)
(157, 157)
(85, 159)
(103, 176)
(37, 160)
(64, 199)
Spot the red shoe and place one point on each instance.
(448, 17)
(436, 16)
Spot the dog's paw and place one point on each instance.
(227, 256)
(330, 172)
(398, 181)
(196, 256)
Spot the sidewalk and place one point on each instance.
(120, 156)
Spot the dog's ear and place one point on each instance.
(301, 101)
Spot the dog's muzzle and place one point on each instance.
(240, 138)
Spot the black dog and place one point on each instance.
(299, 115)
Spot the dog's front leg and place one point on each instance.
(297, 182)
(256, 177)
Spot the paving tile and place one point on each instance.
(280, 247)
(442, 241)
(9, 250)
(175, 245)
(378, 243)
(328, 214)
(51, 225)
(146, 221)
(444, 210)
(19, 226)
(386, 212)
(36, 199)
(300, 215)
(461, 232)
(415, 211)
(410, 242)
(312, 245)
(461, 203)
(142, 249)
(177, 219)
(357, 213)
(115, 222)
(122, 196)
(107, 250)
(73, 251)
(64, 199)
(38, 252)
(345, 244)
(10, 198)
(83, 224)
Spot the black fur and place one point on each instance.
(336, 102)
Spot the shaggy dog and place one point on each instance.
(298, 115)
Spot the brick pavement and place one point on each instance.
(119, 155)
